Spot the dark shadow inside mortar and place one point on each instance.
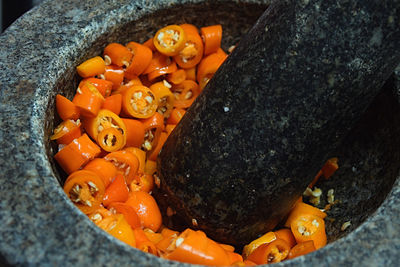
(368, 157)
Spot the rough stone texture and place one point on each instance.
(40, 227)
(286, 97)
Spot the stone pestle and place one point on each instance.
(266, 122)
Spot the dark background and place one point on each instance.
(10, 10)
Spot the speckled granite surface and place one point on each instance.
(39, 226)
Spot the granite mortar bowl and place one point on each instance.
(40, 226)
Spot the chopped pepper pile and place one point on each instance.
(128, 101)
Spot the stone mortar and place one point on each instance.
(41, 227)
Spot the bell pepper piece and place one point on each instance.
(309, 227)
(66, 109)
(117, 191)
(88, 99)
(192, 53)
(196, 248)
(134, 132)
(126, 163)
(91, 67)
(146, 208)
(139, 102)
(142, 56)
(111, 139)
(117, 54)
(301, 249)
(170, 40)
(273, 252)
(211, 36)
(185, 93)
(76, 154)
(66, 132)
(85, 189)
(103, 168)
(165, 98)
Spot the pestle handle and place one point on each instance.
(266, 122)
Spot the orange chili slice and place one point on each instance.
(142, 56)
(129, 213)
(142, 182)
(104, 86)
(153, 127)
(117, 54)
(126, 163)
(185, 93)
(66, 132)
(309, 227)
(114, 74)
(165, 98)
(139, 102)
(170, 40)
(177, 77)
(66, 109)
(301, 249)
(120, 229)
(134, 132)
(103, 168)
(117, 191)
(153, 154)
(88, 99)
(143, 243)
(287, 235)
(85, 189)
(273, 252)
(162, 71)
(303, 208)
(176, 116)
(207, 67)
(192, 53)
(111, 139)
(91, 67)
(212, 36)
(253, 245)
(140, 155)
(113, 103)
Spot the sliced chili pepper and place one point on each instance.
(140, 155)
(168, 236)
(113, 103)
(139, 102)
(169, 128)
(76, 154)
(303, 208)
(142, 182)
(196, 248)
(162, 71)
(301, 249)
(153, 127)
(150, 167)
(264, 239)
(66, 109)
(153, 236)
(134, 80)
(121, 230)
(129, 213)
(212, 36)
(287, 235)
(309, 227)
(134, 132)
(207, 67)
(165, 98)
(99, 214)
(117, 191)
(234, 257)
(85, 189)
(170, 40)
(143, 243)
(177, 77)
(146, 208)
(88, 99)
(114, 74)
(66, 132)
(192, 53)
(117, 54)
(315, 180)
(150, 44)
(104, 86)
(91, 67)
(329, 168)
(142, 56)
(185, 93)
(126, 163)
(153, 154)
(191, 74)
(103, 120)
(103, 168)
(176, 116)
(111, 139)
(273, 252)
(158, 61)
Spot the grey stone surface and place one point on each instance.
(286, 97)
(40, 227)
